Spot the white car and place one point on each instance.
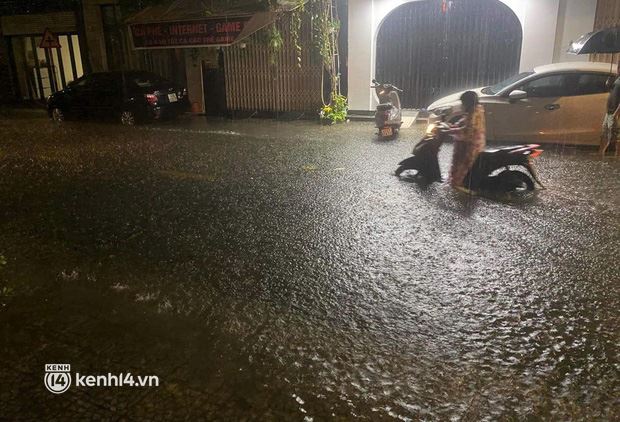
(557, 103)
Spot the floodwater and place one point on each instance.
(279, 271)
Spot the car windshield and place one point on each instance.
(494, 89)
(146, 79)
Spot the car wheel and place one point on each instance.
(128, 118)
(58, 116)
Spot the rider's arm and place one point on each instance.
(615, 93)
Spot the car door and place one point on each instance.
(77, 92)
(104, 92)
(586, 107)
(108, 94)
(540, 117)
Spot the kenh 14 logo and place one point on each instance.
(57, 377)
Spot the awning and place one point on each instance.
(191, 24)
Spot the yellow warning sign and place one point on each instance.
(49, 40)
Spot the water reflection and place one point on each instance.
(258, 280)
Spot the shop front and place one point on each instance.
(40, 71)
(228, 67)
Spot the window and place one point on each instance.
(146, 79)
(547, 86)
(82, 82)
(592, 83)
(106, 82)
(494, 89)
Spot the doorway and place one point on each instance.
(214, 85)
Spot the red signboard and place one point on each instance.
(195, 33)
(49, 40)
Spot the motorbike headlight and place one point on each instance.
(430, 128)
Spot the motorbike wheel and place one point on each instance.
(399, 171)
(515, 181)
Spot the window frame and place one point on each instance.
(566, 83)
(580, 74)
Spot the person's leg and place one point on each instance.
(606, 134)
(613, 141)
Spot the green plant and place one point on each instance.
(274, 42)
(336, 110)
(326, 28)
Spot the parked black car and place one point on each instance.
(130, 96)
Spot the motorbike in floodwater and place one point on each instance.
(388, 116)
(503, 170)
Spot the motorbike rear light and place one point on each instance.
(535, 153)
(151, 99)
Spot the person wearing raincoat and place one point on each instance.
(609, 137)
(469, 138)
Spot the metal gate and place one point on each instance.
(431, 48)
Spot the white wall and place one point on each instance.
(538, 18)
(361, 47)
(575, 18)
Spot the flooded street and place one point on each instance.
(279, 271)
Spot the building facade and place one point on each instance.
(428, 47)
(233, 72)
(542, 29)
(31, 72)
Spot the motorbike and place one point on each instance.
(388, 116)
(503, 170)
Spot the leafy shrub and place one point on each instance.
(336, 111)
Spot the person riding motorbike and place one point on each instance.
(469, 134)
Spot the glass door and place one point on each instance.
(41, 72)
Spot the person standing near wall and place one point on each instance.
(610, 122)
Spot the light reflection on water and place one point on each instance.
(334, 292)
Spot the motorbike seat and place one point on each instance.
(385, 106)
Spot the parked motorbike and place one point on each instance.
(388, 116)
(503, 170)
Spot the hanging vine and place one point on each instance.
(296, 20)
(322, 16)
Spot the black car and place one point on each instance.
(130, 96)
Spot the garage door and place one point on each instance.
(431, 48)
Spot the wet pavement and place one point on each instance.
(279, 271)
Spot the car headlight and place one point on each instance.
(442, 111)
